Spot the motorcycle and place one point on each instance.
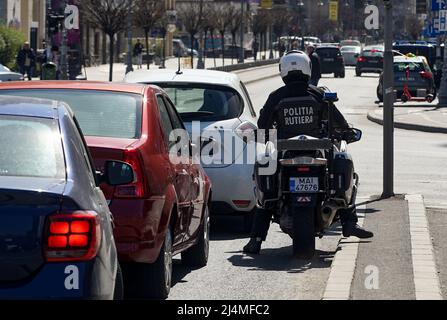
(314, 181)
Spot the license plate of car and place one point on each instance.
(406, 79)
(328, 59)
(304, 184)
(373, 61)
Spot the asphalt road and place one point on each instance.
(420, 159)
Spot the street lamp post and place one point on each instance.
(388, 101)
(64, 60)
(129, 67)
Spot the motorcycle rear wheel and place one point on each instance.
(304, 233)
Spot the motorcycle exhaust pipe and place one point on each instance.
(328, 213)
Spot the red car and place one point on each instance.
(165, 210)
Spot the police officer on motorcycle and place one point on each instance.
(295, 68)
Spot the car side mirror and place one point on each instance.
(117, 173)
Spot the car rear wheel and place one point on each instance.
(379, 94)
(358, 73)
(118, 293)
(197, 255)
(151, 281)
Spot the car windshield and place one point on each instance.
(350, 43)
(99, 113)
(30, 147)
(372, 53)
(204, 102)
(328, 52)
(412, 66)
(3, 68)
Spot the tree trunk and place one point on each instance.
(146, 36)
(204, 54)
(222, 40)
(111, 47)
(192, 48)
(233, 40)
(213, 47)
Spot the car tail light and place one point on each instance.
(246, 130)
(136, 188)
(303, 169)
(72, 236)
(426, 75)
(361, 59)
(242, 203)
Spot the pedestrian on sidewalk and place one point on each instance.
(315, 62)
(255, 48)
(138, 52)
(26, 60)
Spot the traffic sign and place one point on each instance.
(266, 4)
(437, 5)
(442, 20)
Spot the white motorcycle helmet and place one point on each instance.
(295, 62)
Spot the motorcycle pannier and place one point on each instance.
(266, 185)
(344, 175)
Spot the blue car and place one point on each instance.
(56, 239)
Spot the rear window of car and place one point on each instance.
(99, 113)
(204, 102)
(328, 52)
(349, 49)
(30, 147)
(412, 66)
(372, 53)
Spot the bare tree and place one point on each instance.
(225, 14)
(209, 25)
(109, 16)
(235, 24)
(147, 14)
(192, 17)
(260, 25)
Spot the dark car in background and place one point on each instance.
(164, 210)
(56, 237)
(331, 60)
(412, 74)
(370, 60)
(427, 50)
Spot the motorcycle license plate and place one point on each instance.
(304, 184)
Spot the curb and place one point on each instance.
(338, 286)
(247, 65)
(408, 126)
(260, 79)
(425, 274)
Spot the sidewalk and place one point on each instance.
(101, 72)
(427, 118)
(400, 262)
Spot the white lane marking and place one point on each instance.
(426, 281)
(338, 286)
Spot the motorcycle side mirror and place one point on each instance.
(357, 135)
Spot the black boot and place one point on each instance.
(253, 246)
(350, 228)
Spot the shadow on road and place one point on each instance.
(179, 272)
(227, 228)
(281, 259)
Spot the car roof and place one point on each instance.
(30, 107)
(417, 59)
(77, 85)
(186, 75)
